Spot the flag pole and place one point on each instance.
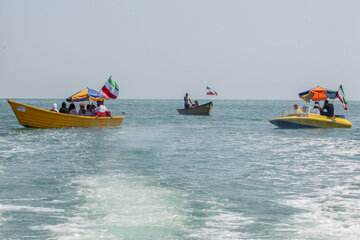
(102, 90)
(206, 95)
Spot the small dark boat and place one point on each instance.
(204, 109)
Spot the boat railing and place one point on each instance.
(288, 111)
(314, 111)
(302, 111)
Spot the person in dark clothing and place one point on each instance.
(63, 108)
(329, 107)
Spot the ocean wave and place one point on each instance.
(223, 224)
(5, 208)
(330, 213)
(122, 205)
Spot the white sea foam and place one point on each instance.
(120, 206)
(332, 212)
(4, 208)
(321, 146)
(222, 224)
(317, 177)
(11, 148)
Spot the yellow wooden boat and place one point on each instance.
(29, 116)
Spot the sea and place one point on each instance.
(161, 175)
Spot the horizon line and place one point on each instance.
(212, 99)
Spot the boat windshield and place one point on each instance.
(304, 110)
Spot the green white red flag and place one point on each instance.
(341, 95)
(111, 88)
(209, 91)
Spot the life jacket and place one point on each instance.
(103, 112)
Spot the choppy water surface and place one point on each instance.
(231, 175)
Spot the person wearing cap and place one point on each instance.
(82, 109)
(297, 109)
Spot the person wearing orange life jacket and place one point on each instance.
(101, 110)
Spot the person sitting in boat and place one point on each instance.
(93, 109)
(72, 109)
(196, 104)
(316, 108)
(329, 107)
(82, 109)
(54, 108)
(297, 109)
(63, 108)
(187, 101)
(102, 111)
(89, 111)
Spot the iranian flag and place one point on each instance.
(111, 88)
(341, 95)
(209, 91)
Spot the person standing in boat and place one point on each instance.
(329, 107)
(102, 111)
(187, 101)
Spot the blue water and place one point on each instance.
(161, 175)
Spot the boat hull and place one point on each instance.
(310, 121)
(29, 116)
(204, 109)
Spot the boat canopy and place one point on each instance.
(87, 94)
(317, 94)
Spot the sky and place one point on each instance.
(162, 49)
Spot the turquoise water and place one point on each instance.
(161, 175)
